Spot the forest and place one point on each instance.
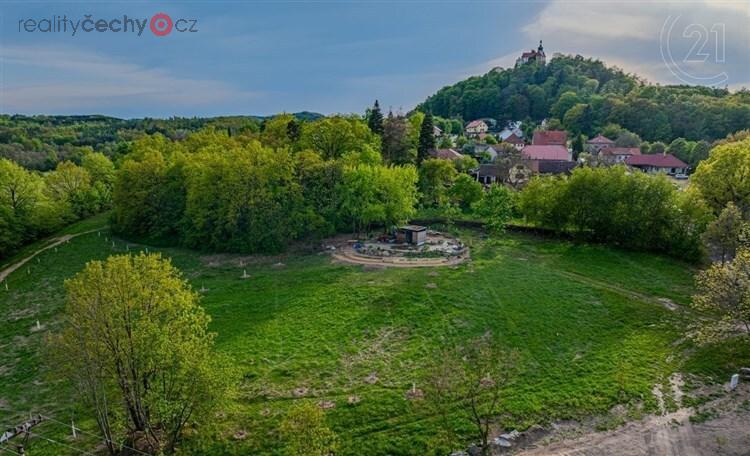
(585, 95)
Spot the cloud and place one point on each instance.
(670, 42)
(44, 79)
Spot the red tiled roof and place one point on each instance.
(551, 152)
(474, 123)
(656, 160)
(621, 151)
(446, 154)
(599, 139)
(513, 139)
(550, 137)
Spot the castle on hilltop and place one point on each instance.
(533, 56)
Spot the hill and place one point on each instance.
(586, 95)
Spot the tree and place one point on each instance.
(333, 136)
(657, 147)
(305, 433)
(724, 291)
(100, 168)
(724, 176)
(135, 345)
(566, 101)
(293, 130)
(496, 208)
(723, 234)
(435, 177)
(71, 184)
(465, 164)
(395, 136)
(275, 132)
(426, 138)
(375, 119)
(376, 194)
(470, 379)
(465, 192)
(700, 152)
(627, 139)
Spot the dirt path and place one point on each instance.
(668, 434)
(396, 262)
(55, 242)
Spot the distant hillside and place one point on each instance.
(586, 95)
(40, 142)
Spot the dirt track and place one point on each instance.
(55, 242)
(668, 434)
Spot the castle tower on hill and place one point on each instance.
(533, 56)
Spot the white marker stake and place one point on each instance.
(733, 382)
(38, 326)
(6, 286)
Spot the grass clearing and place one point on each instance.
(586, 321)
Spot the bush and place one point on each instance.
(611, 205)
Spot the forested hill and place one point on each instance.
(585, 95)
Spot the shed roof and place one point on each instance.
(549, 137)
(413, 228)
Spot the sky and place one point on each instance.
(338, 56)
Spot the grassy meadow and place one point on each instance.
(591, 324)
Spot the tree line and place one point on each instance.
(235, 193)
(34, 204)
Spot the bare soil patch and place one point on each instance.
(672, 434)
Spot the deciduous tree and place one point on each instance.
(724, 292)
(305, 433)
(135, 344)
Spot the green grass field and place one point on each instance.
(587, 321)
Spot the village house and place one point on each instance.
(550, 138)
(487, 173)
(446, 154)
(512, 128)
(615, 155)
(657, 163)
(597, 143)
(546, 152)
(533, 56)
(476, 129)
(515, 141)
(437, 132)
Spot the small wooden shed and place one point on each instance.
(412, 234)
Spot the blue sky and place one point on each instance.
(338, 56)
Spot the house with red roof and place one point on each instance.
(476, 129)
(546, 152)
(597, 143)
(515, 141)
(446, 154)
(550, 138)
(657, 163)
(615, 155)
